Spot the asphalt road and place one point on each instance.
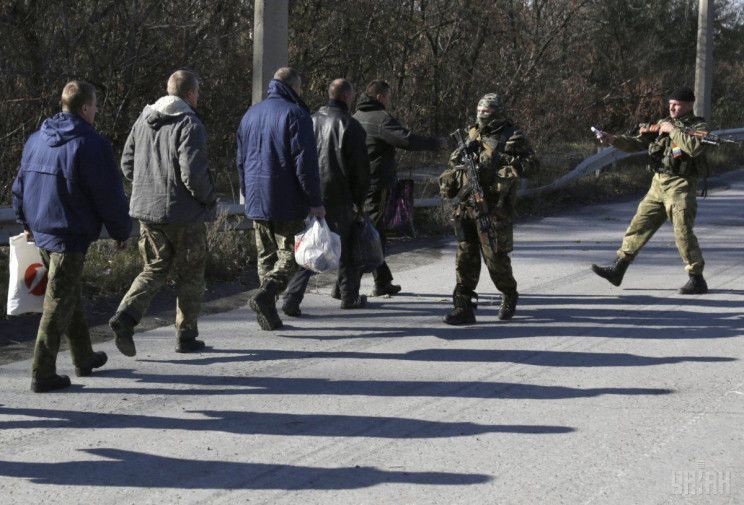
(591, 395)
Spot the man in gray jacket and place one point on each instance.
(165, 159)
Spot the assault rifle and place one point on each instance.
(474, 192)
(704, 136)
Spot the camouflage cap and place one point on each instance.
(492, 101)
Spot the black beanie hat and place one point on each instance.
(683, 94)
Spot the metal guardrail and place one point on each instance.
(604, 158)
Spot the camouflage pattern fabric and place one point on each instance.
(678, 160)
(275, 246)
(182, 250)
(62, 314)
(505, 156)
(670, 197)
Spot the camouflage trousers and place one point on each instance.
(275, 248)
(470, 248)
(182, 250)
(674, 198)
(62, 314)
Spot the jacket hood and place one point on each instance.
(279, 89)
(63, 127)
(164, 110)
(368, 103)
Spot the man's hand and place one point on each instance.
(28, 235)
(318, 212)
(120, 245)
(665, 127)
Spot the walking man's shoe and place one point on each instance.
(613, 273)
(696, 285)
(96, 360)
(123, 326)
(49, 383)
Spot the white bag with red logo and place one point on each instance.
(317, 248)
(28, 277)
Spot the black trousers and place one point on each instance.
(375, 205)
(348, 274)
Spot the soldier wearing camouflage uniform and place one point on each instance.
(678, 160)
(504, 156)
(165, 158)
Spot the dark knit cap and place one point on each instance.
(683, 94)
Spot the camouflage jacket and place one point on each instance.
(505, 156)
(676, 152)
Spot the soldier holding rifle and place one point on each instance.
(677, 156)
(483, 180)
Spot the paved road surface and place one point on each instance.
(591, 395)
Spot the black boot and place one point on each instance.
(291, 308)
(336, 292)
(123, 325)
(695, 286)
(49, 383)
(96, 360)
(508, 305)
(388, 289)
(357, 303)
(613, 273)
(464, 311)
(264, 304)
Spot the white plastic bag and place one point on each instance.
(317, 248)
(28, 277)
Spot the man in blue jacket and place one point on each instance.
(279, 178)
(66, 189)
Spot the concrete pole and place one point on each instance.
(704, 60)
(270, 42)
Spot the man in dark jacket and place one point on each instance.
(165, 159)
(66, 188)
(384, 134)
(278, 167)
(344, 179)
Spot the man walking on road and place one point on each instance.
(165, 159)
(344, 179)
(384, 134)
(677, 157)
(278, 168)
(66, 189)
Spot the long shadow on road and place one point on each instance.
(268, 423)
(120, 468)
(232, 385)
(531, 357)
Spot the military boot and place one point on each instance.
(613, 273)
(186, 341)
(96, 360)
(52, 383)
(264, 304)
(695, 286)
(291, 307)
(123, 325)
(508, 305)
(464, 307)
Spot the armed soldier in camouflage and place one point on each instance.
(504, 155)
(677, 156)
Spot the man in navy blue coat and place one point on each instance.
(66, 189)
(279, 178)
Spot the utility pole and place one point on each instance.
(270, 42)
(704, 59)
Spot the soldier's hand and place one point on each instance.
(665, 127)
(120, 245)
(318, 212)
(28, 235)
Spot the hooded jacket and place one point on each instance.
(384, 134)
(277, 159)
(68, 186)
(165, 159)
(342, 156)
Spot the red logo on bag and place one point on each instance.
(35, 279)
